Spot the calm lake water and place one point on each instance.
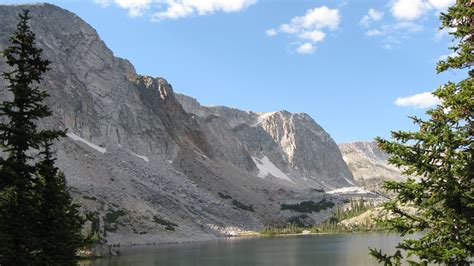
(340, 249)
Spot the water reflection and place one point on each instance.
(343, 249)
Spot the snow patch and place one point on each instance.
(349, 190)
(266, 167)
(144, 158)
(88, 143)
(200, 154)
(349, 181)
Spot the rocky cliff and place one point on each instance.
(149, 165)
(369, 165)
(297, 149)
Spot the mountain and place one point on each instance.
(368, 164)
(149, 165)
(294, 143)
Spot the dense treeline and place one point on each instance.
(356, 207)
(353, 208)
(308, 206)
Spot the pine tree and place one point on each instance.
(34, 205)
(60, 222)
(440, 153)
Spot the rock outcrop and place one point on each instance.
(293, 143)
(149, 165)
(369, 165)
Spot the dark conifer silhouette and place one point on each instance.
(39, 225)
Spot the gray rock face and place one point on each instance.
(294, 143)
(369, 165)
(138, 149)
(309, 150)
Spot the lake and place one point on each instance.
(337, 249)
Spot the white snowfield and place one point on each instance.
(88, 143)
(266, 168)
(349, 190)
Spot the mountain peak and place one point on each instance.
(136, 144)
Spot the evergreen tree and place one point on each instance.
(441, 155)
(60, 222)
(34, 205)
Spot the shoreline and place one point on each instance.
(116, 250)
(113, 250)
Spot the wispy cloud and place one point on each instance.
(374, 32)
(310, 28)
(393, 34)
(135, 7)
(174, 9)
(406, 19)
(372, 15)
(271, 32)
(421, 100)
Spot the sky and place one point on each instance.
(358, 67)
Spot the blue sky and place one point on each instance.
(344, 62)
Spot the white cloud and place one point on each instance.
(174, 9)
(421, 100)
(103, 3)
(409, 9)
(314, 36)
(441, 4)
(182, 8)
(319, 18)
(286, 28)
(271, 32)
(311, 28)
(372, 15)
(375, 15)
(409, 18)
(414, 9)
(134, 7)
(306, 48)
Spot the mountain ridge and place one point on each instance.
(143, 154)
(369, 165)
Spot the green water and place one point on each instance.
(341, 249)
